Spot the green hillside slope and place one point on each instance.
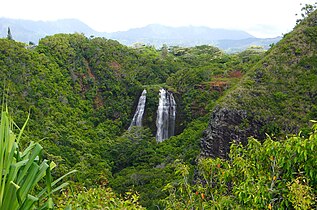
(81, 94)
(278, 95)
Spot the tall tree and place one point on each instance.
(9, 35)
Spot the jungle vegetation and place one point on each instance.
(80, 94)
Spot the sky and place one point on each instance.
(261, 18)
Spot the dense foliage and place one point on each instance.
(269, 175)
(81, 94)
(148, 166)
(97, 198)
(283, 83)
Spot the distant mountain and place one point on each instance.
(28, 30)
(225, 39)
(154, 34)
(232, 46)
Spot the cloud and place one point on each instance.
(270, 16)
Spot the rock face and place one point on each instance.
(225, 126)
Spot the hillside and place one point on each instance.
(157, 35)
(276, 97)
(82, 94)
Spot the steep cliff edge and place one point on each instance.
(226, 125)
(276, 97)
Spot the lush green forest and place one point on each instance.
(81, 94)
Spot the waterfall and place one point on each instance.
(172, 115)
(138, 115)
(166, 114)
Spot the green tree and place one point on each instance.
(268, 175)
(307, 9)
(9, 35)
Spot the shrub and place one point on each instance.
(269, 175)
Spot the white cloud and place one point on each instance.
(277, 15)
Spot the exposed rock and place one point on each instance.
(225, 126)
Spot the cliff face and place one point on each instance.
(276, 97)
(225, 126)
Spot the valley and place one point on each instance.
(175, 127)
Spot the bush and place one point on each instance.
(97, 198)
(269, 175)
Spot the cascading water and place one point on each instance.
(166, 115)
(172, 115)
(138, 115)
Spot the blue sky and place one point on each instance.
(262, 18)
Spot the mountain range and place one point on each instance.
(154, 34)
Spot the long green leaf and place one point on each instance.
(48, 180)
(22, 129)
(28, 183)
(3, 149)
(62, 177)
(28, 203)
(14, 170)
(20, 172)
(10, 199)
(55, 182)
(35, 152)
(42, 171)
(63, 185)
(28, 150)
